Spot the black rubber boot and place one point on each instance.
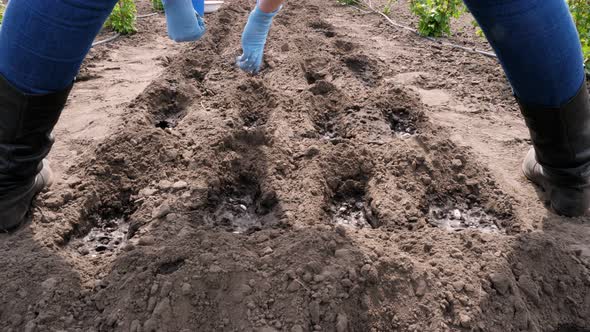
(26, 122)
(560, 159)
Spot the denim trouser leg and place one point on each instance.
(538, 46)
(43, 42)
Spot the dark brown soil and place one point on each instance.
(366, 180)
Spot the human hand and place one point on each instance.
(184, 24)
(254, 39)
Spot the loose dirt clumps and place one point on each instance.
(327, 193)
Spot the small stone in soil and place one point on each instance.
(351, 213)
(107, 236)
(459, 218)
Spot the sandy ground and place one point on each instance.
(366, 180)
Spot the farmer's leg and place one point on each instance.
(42, 44)
(538, 46)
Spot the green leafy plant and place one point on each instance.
(478, 30)
(122, 19)
(580, 10)
(1, 12)
(435, 15)
(158, 5)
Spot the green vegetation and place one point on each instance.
(435, 15)
(349, 2)
(158, 5)
(1, 12)
(122, 19)
(581, 13)
(387, 8)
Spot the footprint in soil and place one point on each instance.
(401, 122)
(244, 211)
(461, 217)
(107, 237)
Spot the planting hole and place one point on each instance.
(244, 209)
(461, 217)
(344, 46)
(350, 207)
(162, 124)
(353, 212)
(106, 237)
(362, 68)
(401, 122)
(323, 27)
(170, 267)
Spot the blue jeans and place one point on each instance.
(538, 47)
(43, 43)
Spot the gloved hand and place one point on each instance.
(254, 39)
(184, 24)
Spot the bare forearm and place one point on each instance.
(269, 6)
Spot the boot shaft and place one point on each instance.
(561, 136)
(26, 123)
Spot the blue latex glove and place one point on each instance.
(184, 24)
(254, 39)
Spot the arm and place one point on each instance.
(255, 34)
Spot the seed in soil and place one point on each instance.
(353, 213)
(244, 211)
(253, 118)
(170, 121)
(107, 236)
(401, 122)
(458, 218)
(326, 125)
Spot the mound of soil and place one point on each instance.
(366, 180)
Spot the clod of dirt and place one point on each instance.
(401, 122)
(107, 236)
(460, 217)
